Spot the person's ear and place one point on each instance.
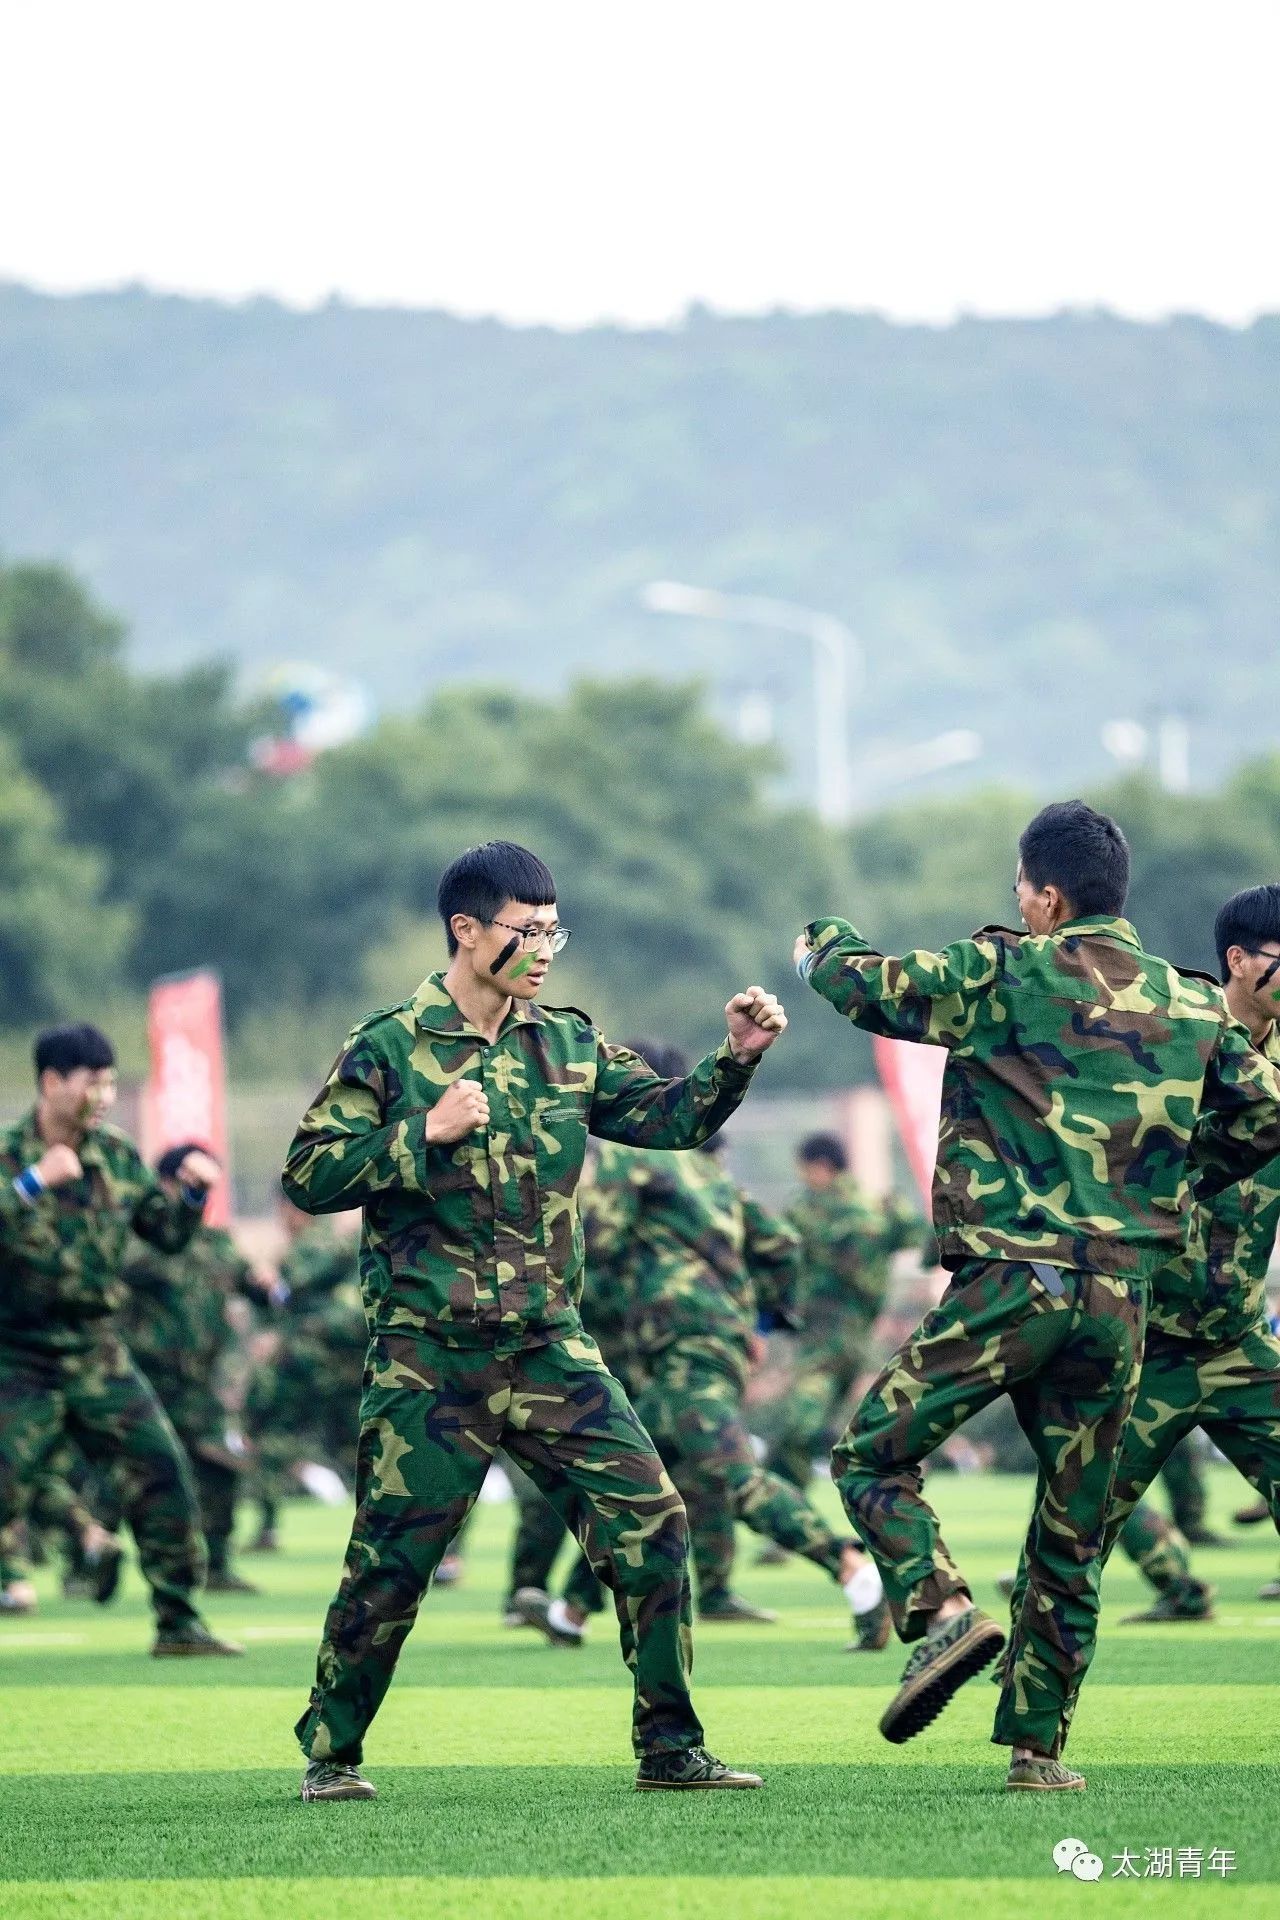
(465, 929)
(1236, 957)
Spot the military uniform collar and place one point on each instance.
(436, 1011)
(1106, 926)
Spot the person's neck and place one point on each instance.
(1240, 1002)
(55, 1132)
(485, 1004)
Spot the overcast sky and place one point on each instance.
(567, 162)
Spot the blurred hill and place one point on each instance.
(1033, 526)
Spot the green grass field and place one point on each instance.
(136, 1787)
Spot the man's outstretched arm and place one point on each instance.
(919, 996)
(634, 1105)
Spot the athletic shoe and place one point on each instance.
(1042, 1776)
(937, 1669)
(550, 1617)
(449, 1572)
(1201, 1536)
(693, 1767)
(772, 1555)
(732, 1607)
(222, 1580)
(1271, 1591)
(103, 1566)
(266, 1540)
(1005, 1584)
(512, 1616)
(324, 1780)
(872, 1631)
(1172, 1606)
(192, 1642)
(1250, 1516)
(18, 1597)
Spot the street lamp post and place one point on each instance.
(836, 658)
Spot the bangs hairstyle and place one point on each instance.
(1247, 920)
(824, 1149)
(1080, 852)
(64, 1049)
(483, 879)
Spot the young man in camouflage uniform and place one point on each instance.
(459, 1122)
(175, 1325)
(1078, 1069)
(71, 1190)
(848, 1238)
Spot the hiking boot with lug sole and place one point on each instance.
(692, 1768)
(937, 1669)
(326, 1780)
(1039, 1775)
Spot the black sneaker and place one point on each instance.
(537, 1609)
(690, 1768)
(192, 1642)
(325, 1780)
(937, 1670)
(103, 1568)
(732, 1607)
(1190, 1603)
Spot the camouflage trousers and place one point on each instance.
(1184, 1482)
(824, 1376)
(432, 1418)
(1065, 1346)
(109, 1409)
(1233, 1392)
(693, 1409)
(1159, 1552)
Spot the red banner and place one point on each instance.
(912, 1078)
(186, 1094)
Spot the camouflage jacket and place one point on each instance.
(324, 1334)
(174, 1319)
(479, 1243)
(62, 1254)
(1217, 1288)
(703, 1257)
(1078, 1068)
(848, 1238)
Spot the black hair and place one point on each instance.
(172, 1158)
(826, 1149)
(665, 1059)
(482, 880)
(64, 1049)
(1246, 920)
(1080, 852)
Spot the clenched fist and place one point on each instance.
(460, 1110)
(199, 1170)
(755, 1019)
(57, 1165)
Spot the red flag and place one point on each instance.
(186, 1093)
(912, 1078)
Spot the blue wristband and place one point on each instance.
(29, 1186)
(806, 964)
(194, 1196)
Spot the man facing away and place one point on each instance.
(459, 1122)
(1078, 1068)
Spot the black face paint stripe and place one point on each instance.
(1269, 972)
(506, 954)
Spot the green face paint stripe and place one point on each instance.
(518, 972)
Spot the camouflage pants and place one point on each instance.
(1065, 1346)
(824, 1376)
(1233, 1392)
(693, 1409)
(1184, 1482)
(110, 1410)
(1158, 1551)
(432, 1418)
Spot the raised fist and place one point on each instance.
(199, 1170)
(461, 1109)
(755, 1019)
(57, 1165)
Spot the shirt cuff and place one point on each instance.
(29, 1186)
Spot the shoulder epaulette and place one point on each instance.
(380, 1013)
(585, 1018)
(998, 932)
(1194, 973)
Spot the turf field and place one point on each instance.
(135, 1787)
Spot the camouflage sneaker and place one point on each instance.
(222, 1580)
(693, 1767)
(937, 1669)
(1038, 1775)
(872, 1631)
(325, 1780)
(1175, 1604)
(732, 1607)
(193, 1642)
(1271, 1591)
(1252, 1516)
(538, 1609)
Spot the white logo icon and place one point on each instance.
(1087, 1866)
(1067, 1852)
